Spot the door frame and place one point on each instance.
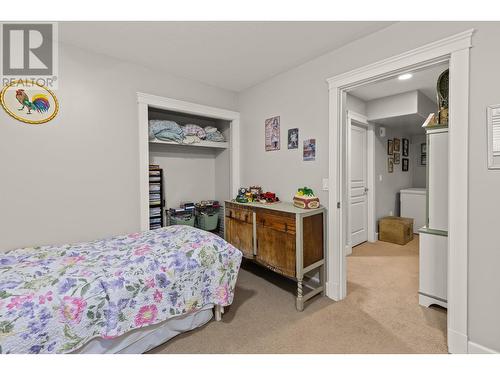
(456, 50)
(361, 120)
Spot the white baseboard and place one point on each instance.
(332, 290)
(479, 349)
(457, 342)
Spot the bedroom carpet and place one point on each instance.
(381, 313)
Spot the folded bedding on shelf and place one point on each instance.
(215, 136)
(165, 130)
(196, 130)
(190, 139)
(210, 129)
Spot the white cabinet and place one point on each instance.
(437, 165)
(412, 202)
(434, 236)
(433, 260)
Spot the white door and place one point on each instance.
(358, 212)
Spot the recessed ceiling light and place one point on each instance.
(405, 76)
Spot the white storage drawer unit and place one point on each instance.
(413, 201)
(433, 260)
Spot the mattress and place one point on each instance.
(143, 339)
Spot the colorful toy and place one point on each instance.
(305, 198)
(241, 197)
(255, 194)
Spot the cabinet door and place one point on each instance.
(276, 250)
(240, 235)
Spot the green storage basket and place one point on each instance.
(207, 221)
(182, 220)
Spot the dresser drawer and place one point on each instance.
(240, 214)
(277, 221)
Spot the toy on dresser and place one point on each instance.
(305, 198)
(255, 194)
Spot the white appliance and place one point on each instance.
(413, 201)
(434, 235)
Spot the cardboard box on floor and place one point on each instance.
(398, 230)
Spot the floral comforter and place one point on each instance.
(54, 299)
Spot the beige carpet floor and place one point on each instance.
(381, 313)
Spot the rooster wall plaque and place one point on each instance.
(29, 102)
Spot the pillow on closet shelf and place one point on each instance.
(193, 129)
(210, 129)
(165, 130)
(190, 139)
(215, 136)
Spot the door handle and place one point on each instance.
(366, 190)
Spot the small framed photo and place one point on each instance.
(423, 159)
(406, 147)
(389, 147)
(309, 152)
(396, 157)
(272, 133)
(390, 165)
(293, 138)
(397, 144)
(423, 148)
(406, 164)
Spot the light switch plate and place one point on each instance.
(325, 184)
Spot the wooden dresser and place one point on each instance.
(286, 239)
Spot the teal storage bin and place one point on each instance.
(207, 221)
(182, 220)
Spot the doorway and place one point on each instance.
(360, 216)
(454, 49)
(358, 210)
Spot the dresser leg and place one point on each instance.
(299, 303)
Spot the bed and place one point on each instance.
(124, 294)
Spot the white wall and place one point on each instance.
(406, 103)
(387, 190)
(300, 97)
(189, 174)
(76, 177)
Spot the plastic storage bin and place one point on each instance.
(182, 220)
(207, 221)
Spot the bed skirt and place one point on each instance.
(143, 339)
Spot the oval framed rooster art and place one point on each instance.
(29, 102)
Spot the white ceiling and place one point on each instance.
(424, 80)
(229, 55)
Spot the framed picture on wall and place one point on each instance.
(406, 163)
(272, 133)
(389, 147)
(423, 159)
(396, 157)
(390, 165)
(397, 144)
(293, 138)
(406, 146)
(423, 148)
(309, 152)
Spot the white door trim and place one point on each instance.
(357, 118)
(144, 102)
(454, 49)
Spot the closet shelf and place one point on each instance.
(207, 144)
